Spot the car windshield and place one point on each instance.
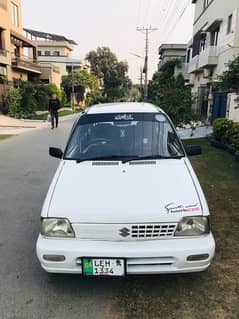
(122, 136)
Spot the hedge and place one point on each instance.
(227, 132)
(30, 97)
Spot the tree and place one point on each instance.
(112, 72)
(82, 81)
(95, 97)
(229, 80)
(135, 94)
(171, 93)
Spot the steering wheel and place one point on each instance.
(96, 142)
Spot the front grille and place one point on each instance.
(125, 232)
(152, 231)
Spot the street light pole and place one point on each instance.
(141, 75)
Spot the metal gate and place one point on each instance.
(219, 105)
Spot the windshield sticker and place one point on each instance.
(124, 117)
(174, 209)
(122, 133)
(160, 118)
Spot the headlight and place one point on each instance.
(193, 226)
(56, 227)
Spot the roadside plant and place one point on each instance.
(95, 97)
(171, 93)
(83, 81)
(28, 93)
(14, 101)
(31, 97)
(226, 132)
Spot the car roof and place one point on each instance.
(123, 107)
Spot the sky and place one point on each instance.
(113, 23)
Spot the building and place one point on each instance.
(18, 55)
(215, 43)
(56, 51)
(169, 52)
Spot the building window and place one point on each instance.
(203, 42)
(214, 37)
(229, 24)
(56, 53)
(47, 53)
(39, 53)
(14, 12)
(17, 52)
(188, 55)
(1, 40)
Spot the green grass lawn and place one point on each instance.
(4, 136)
(213, 294)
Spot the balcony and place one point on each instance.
(4, 57)
(208, 57)
(193, 64)
(25, 64)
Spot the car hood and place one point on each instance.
(136, 192)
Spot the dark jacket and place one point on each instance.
(54, 105)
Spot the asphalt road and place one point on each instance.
(26, 291)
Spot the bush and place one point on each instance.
(63, 99)
(14, 101)
(32, 97)
(95, 97)
(42, 95)
(28, 92)
(226, 132)
(235, 136)
(54, 89)
(221, 127)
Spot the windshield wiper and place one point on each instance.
(103, 158)
(126, 159)
(149, 157)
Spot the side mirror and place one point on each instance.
(55, 152)
(193, 150)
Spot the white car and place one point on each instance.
(125, 199)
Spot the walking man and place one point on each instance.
(54, 105)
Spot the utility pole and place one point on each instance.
(72, 86)
(141, 81)
(146, 31)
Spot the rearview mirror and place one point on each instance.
(55, 152)
(192, 150)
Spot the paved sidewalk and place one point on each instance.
(9, 125)
(13, 126)
(198, 132)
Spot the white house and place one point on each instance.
(56, 51)
(215, 43)
(169, 52)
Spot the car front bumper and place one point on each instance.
(142, 257)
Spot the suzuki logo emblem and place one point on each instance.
(124, 232)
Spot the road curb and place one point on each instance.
(16, 126)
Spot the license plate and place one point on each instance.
(103, 267)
